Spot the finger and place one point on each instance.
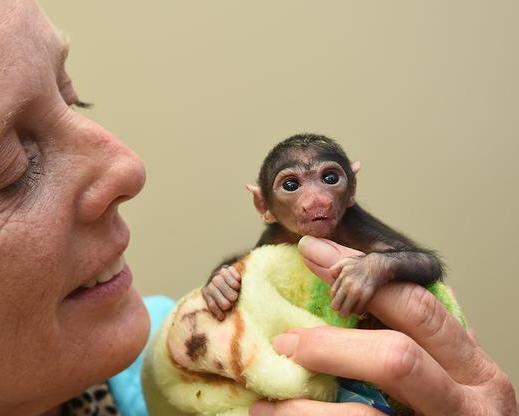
(320, 254)
(360, 308)
(416, 312)
(336, 285)
(222, 302)
(388, 359)
(231, 280)
(302, 407)
(349, 304)
(321, 272)
(339, 297)
(343, 271)
(341, 264)
(213, 307)
(235, 272)
(230, 294)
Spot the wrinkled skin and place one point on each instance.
(62, 177)
(428, 361)
(315, 208)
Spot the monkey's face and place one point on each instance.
(310, 197)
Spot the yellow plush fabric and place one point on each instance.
(197, 365)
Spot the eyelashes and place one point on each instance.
(30, 178)
(34, 171)
(82, 104)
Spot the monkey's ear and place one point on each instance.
(355, 167)
(261, 204)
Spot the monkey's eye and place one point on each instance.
(331, 178)
(290, 185)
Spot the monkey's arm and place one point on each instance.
(407, 264)
(390, 255)
(395, 256)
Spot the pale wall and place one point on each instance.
(425, 94)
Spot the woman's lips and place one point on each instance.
(113, 288)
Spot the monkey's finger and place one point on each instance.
(342, 280)
(341, 264)
(234, 272)
(222, 302)
(228, 292)
(360, 308)
(230, 279)
(339, 297)
(213, 307)
(336, 286)
(349, 304)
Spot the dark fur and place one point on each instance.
(358, 228)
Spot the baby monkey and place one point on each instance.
(306, 186)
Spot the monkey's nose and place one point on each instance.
(317, 204)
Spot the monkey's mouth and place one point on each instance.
(320, 218)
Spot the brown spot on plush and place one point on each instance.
(192, 314)
(218, 365)
(196, 346)
(198, 394)
(236, 359)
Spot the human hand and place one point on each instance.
(357, 278)
(222, 291)
(428, 362)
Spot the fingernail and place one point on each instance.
(286, 344)
(318, 251)
(262, 408)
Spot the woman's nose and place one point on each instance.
(117, 175)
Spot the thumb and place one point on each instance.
(320, 254)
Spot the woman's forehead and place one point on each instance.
(26, 33)
(32, 53)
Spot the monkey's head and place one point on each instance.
(305, 184)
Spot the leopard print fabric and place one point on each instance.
(95, 401)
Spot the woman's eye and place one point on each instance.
(331, 178)
(30, 177)
(290, 185)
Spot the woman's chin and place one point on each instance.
(130, 333)
(114, 340)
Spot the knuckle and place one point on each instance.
(503, 384)
(427, 312)
(402, 355)
(218, 279)
(213, 291)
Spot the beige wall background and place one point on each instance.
(424, 93)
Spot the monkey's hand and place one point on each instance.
(356, 281)
(222, 291)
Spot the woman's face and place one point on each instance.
(62, 178)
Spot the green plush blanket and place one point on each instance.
(198, 365)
